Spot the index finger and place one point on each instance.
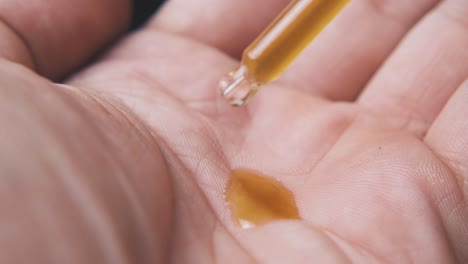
(56, 36)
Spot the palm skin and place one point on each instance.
(368, 188)
(373, 185)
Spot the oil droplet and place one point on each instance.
(255, 199)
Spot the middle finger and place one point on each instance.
(346, 55)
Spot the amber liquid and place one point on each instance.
(255, 199)
(276, 48)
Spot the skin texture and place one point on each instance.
(126, 161)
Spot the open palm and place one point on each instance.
(376, 153)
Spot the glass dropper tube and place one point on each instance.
(276, 48)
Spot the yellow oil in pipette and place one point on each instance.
(278, 46)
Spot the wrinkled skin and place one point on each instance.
(127, 160)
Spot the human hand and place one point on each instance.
(375, 155)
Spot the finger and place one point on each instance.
(340, 62)
(13, 48)
(425, 70)
(448, 138)
(227, 25)
(448, 135)
(336, 65)
(57, 36)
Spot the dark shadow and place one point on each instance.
(143, 10)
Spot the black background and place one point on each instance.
(142, 11)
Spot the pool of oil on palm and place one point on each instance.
(255, 199)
